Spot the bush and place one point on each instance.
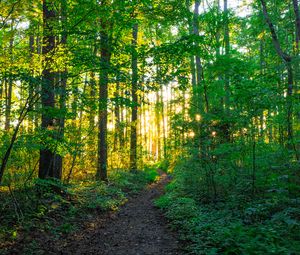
(235, 221)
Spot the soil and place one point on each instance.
(138, 228)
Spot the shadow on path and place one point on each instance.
(137, 229)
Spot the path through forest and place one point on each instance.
(137, 229)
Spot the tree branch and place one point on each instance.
(276, 43)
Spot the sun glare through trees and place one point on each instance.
(100, 99)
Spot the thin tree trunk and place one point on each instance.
(227, 52)
(157, 122)
(134, 113)
(297, 21)
(91, 116)
(199, 71)
(164, 125)
(117, 136)
(192, 58)
(10, 85)
(287, 60)
(63, 86)
(23, 113)
(103, 105)
(31, 84)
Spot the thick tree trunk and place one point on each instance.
(134, 112)
(47, 164)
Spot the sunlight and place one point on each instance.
(198, 117)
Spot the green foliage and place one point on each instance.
(235, 220)
(52, 207)
(133, 182)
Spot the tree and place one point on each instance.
(134, 91)
(103, 100)
(287, 60)
(48, 164)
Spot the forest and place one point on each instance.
(164, 127)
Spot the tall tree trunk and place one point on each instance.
(47, 163)
(297, 21)
(134, 112)
(287, 60)
(63, 85)
(103, 103)
(10, 84)
(192, 58)
(91, 116)
(117, 135)
(163, 124)
(31, 84)
(199, 68)
(227, 52)
(157, 122)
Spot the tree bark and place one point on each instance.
(199, 69)
(285, 57)
(227, 52)
(287, 60)
(47, 163)
(103, 104)
(63, 85)
(192, 57)
(10, 84)
(297, 21)
(134, 112)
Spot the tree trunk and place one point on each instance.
(91, 116)
(287, 60)
(297, 21)
(63, 85)
(157, 122)
(199, 71)
(134, 112)
(163, 124)
(227, 52)
(192, 58)
(10, 84)
(47, 163)
(103, 98)
(117, 135)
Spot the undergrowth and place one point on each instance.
(232, 217)
(49, 207)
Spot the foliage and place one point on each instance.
(235, 221)
(52, 207)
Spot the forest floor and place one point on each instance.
(137, 228)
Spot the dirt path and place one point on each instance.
(137, 229)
